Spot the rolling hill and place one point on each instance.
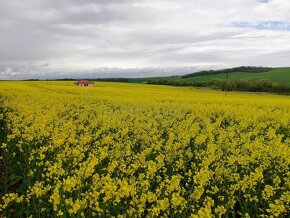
(275, 75)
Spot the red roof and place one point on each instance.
(84, 82)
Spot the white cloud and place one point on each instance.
(81, 36)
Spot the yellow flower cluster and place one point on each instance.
(132, 150)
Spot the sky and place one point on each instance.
(136, 38)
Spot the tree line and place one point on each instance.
(247, 69)
(263, 85)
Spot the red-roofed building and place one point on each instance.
(84, 83)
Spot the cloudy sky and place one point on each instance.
(69, 38)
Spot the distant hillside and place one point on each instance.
(246, 79)
(276, 75)
(246, 69)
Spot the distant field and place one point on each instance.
(277, 75)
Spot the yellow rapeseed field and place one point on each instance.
(136, 150)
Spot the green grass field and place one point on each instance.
(277, 75)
